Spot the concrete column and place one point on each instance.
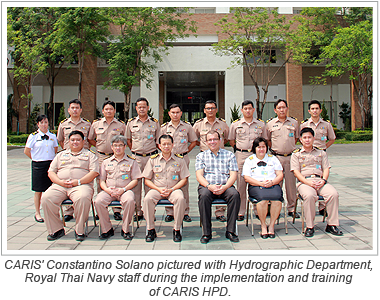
(234, 90)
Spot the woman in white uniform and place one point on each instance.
(263, 173)
(41, 147)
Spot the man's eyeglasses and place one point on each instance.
(210, 108)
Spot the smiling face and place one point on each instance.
(210, 110)
(261, 150)
(166, 146)
(213, 141)
(118, 148)
(315, 110)
(108, 111)
(43, 125)
(76, 143)
(307, 140)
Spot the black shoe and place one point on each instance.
(97, 217)
(186, 218)
(240, 218)
(291, 213)
(107, 234)
(68, 218)
(333, 230)
(139, 218)
(79, 237)
(221, 219)
(271, 235)
(232, 237)
(169, 218)
(151, 235)
(56, 235)
(264, 236)
(38, 220)
(126, 236)
(322, 212)
(309, 232)
(117, 216)
(205, 239)
(177, 237)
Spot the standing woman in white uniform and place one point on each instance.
(41, 147)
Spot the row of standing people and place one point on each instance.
(142, 133)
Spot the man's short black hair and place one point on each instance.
(278, 101)
(74, 132)
(315, 102)
(212, 132)
(174, 105)
(165, 136)
(76, 101)
(306, 129)
(109, 102)
(210, 102)
(142, 99)
(247, 102)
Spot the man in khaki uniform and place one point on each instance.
(324, 133)
(141, 133)
(101, 133)
(282, 134)
(242, 134)
(165, 174)
(75, 122)
(72, 172)
(312, 168)
(182, 134)
(118, 175)
(202, 127)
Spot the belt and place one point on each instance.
(108, 154)
(313, 176)
(275, 153)
(144, 155)
(237, 149)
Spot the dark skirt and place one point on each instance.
(40, 179)
(273, 193)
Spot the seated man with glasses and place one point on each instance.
(216, 171)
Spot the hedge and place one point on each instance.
(21, 139)
(350, 136)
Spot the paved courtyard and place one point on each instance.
(351, 174)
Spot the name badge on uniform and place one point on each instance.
(291, 134)
(125, 176)
(150, 136)
(319, 167)
(263, 172)
(175, 177)
(323, 138)
(183, 141)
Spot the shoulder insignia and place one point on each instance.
(92, 151)
(251, 157)
(222, 120)
(199, 120)
(296, 150)
(121, 121)
(270, 155)
(294, 118)
(131, 119)
(304, 121)
(34, 133)
(326, 120)
(154, 119)
(260, 120)
(154, 155)
(179, 155)
(131, 157)
(187, 122)
(315, 147)
(87, 120)
(96, 120)
(236, 120)
(164, 124)
(63, 120)
(270, 119)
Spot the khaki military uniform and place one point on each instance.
(201, 127)
(67, 125)
(311, 165)
(165, 174)
(117, 173)
(68, 166)
(144, 136)
(244, 134)
(323, 132)
(182, 135)
(283, 138)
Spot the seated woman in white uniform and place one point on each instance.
(263, 173)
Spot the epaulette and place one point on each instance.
(131, 119)
(34, 133)
(164, 124)
(96, 120)
(260, 120)
(304, 121)
(121, 121)
(326, 120)
(251, 157)
(63, 120)
(236, 120)
(187, 122)
(270, 119)
(92, 151)
(315, 147)
(87, 120)
(131, 157)
(294, 118)
(222, 120)
(199, 120)
(179, 155)
(154, 119)
(296, 150)
(270, 155)
(154, 155)
(61, 150)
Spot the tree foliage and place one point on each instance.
(142, 32)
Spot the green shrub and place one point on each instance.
(351, 136)
(20, 139)
(340, 134)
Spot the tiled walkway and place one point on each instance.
(351, 175)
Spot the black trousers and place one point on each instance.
(205, 198)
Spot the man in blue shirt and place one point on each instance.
(216, 170)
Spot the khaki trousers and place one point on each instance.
(52, 199)
(127, 201)
(141, 161)
(310, 196)
(150, 202)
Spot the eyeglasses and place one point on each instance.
(118, 145)
(210, 108)
(212, 140)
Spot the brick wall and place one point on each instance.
(294, 90)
